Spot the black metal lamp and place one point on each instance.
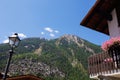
(14, 41)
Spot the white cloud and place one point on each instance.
(42, 33)
(6, 41)
(48, 29)
(52, 35)
(56, 31)
(21, 35)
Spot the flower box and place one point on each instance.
(112, 47)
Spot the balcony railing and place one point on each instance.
(104, 64)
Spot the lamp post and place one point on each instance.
(13, 42)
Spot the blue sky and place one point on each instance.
(46, 18)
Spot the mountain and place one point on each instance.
(64, 58)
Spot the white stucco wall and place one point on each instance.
(114, 29)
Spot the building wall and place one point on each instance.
(114, 28)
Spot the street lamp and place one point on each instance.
(14, 41)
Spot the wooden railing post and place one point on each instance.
(104, 63)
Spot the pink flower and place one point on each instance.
(106, 45)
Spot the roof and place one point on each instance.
(23, 77)
(98, 15)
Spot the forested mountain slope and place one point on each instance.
(64, 58)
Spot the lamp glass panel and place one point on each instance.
(13, 41)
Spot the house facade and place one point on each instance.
(104, 17)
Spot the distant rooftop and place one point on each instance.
(23, 77)
(98, 15)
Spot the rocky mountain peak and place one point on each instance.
(70, 38)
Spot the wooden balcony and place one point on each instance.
(103, 64)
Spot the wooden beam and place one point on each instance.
(105, 15)
(104, 28)
(99, 22)
(92, 12)
(118, 12)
